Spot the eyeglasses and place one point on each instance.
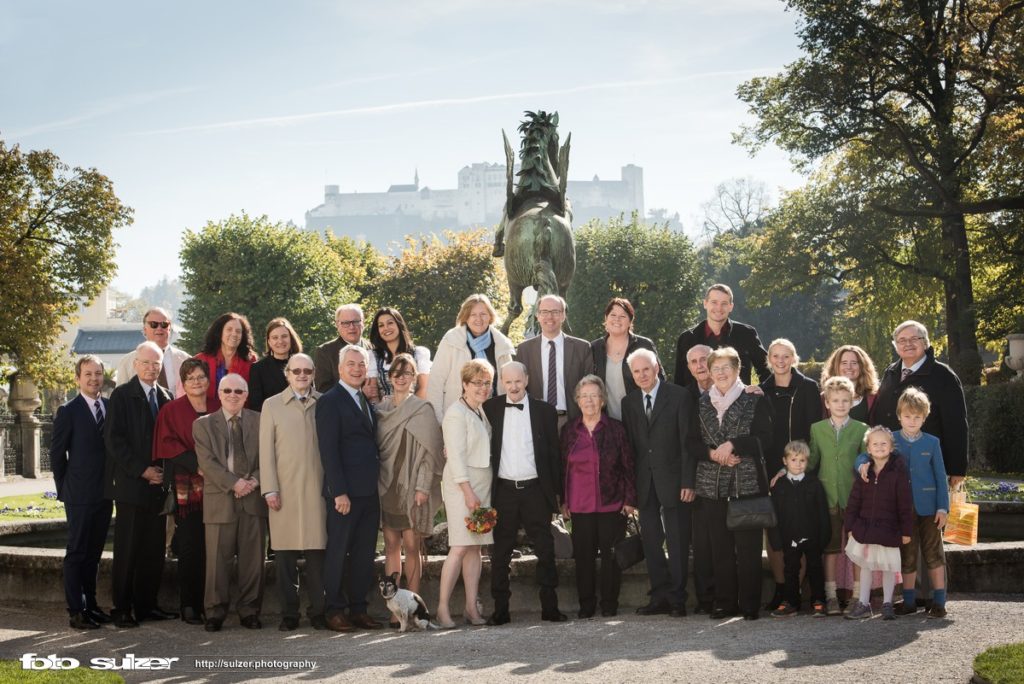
(589, 397)
(229, 390)
(159, 324)
(350, 324)
(300, 371)
(909, 341)
(404, 374)
(549, 312)
(198, 377)
(151, 364)
(721, 369)
(480, 384)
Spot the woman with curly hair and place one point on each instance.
(853, 362)
(227, 348)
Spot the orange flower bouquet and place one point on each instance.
(482, 520)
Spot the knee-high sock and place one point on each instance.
(888, 584)
(865, 589)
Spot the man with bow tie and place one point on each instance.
(527, 479)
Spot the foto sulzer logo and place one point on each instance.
(33, 661)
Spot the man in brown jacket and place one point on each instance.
(234, 512)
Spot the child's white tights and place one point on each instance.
(888, 585)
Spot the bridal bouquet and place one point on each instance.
(482, 520)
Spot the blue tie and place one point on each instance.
(153, 406)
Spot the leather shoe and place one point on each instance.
(339, 623)
(609, 612)
(252, 622)
(82, 621)
(364, 621)
(98, 615)
(750, 616)
(159, 614)
(554, 616)
(654, 609)
(191, 617)
(499, 618)
(703, 609)
(585, 614)
(318, 622)
(124, 620)
(288, 624)
(213, 625)
(720, 613)
(678, 612)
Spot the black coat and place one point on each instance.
(804, 411)
(802, 512)
(660, 447)
(546, 447)
(266, 378)
(128, 433)
(743, 338)
(600, 351)
(77, 452)
(948, 417)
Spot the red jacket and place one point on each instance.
(238, 365)
(881, 510)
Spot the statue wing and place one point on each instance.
(563, 168)
(510, 165)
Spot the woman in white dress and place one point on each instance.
(466, 486)
(389, 337)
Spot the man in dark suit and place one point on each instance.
(526, 490)
(346, 428)
(234, 512)
(720, 331)
(657, 419)
(78, 459)
(348, 319)
(555, 361)
(133, 481)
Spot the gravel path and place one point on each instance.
(625, 649)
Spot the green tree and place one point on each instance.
(429, 279)
(926, 88)
(361, 263)
(56, 250)
(261, 269)
(653, 267)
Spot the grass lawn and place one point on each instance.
(1001, 664)
(11, 671)
(30, 507)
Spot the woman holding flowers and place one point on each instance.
(466, 487)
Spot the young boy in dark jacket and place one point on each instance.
(803, 529)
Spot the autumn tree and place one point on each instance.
(930, 89)
(56, 250)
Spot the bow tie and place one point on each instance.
(515, 406)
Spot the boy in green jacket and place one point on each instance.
(835, 444)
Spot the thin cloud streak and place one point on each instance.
(292, 119)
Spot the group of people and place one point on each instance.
(321, 452)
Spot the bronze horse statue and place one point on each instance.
(535, 233)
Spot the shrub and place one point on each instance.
(996, 416)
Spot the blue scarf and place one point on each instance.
(480, 344)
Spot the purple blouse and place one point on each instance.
(583, 486)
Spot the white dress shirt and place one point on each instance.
(518, 461)
(560, 364)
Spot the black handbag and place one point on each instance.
(754, 512)
(630, 550)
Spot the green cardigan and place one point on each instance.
(834, 458)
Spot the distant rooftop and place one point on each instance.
(91, 341)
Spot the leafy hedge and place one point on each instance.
(996, 415)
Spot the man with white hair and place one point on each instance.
(234, 512)
(918, 368)
(157, 327)
(348, 319)
(133, 481)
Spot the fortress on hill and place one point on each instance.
(381, 218)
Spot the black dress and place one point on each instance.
(266, 378)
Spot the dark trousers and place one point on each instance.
(286, 565)
(703, 569)
(528, 508)
(139, 535)
(815, 574)
(669, 527)
(87, 533)
(593, 532)
(351, 549)
(736, 557)
(190, 536)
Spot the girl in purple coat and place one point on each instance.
(880, 517)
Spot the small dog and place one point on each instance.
(406, 606)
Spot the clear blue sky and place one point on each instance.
(197, 110)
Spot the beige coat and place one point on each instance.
(290, 465)
(445, 385)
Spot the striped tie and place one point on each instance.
(552, 393)
(98, 408)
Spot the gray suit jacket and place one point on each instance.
(211, 435)
(579, 361)
(660, 447)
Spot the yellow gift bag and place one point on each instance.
(962, 523)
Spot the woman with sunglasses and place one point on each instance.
(267, 376)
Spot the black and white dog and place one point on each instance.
(406, 606)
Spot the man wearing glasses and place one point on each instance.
(555, 362)
(234, 512)
(158, 328)
(918, 368)
(349, 321)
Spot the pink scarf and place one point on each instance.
(722, 402)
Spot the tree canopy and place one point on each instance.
(56, 250)
(929, 94)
